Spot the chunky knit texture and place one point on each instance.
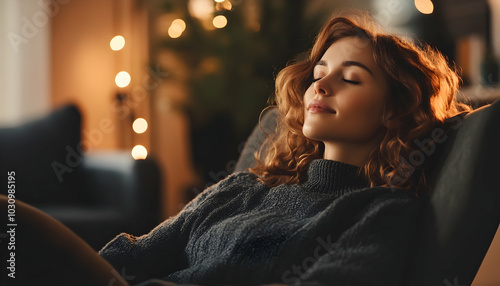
(330, 230)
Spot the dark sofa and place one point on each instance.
(97, 195)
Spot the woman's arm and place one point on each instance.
(157, 253)
(162, 251)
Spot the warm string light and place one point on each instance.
(206, 12)
(176, 28)
(139, 152)
(140, 125)
(122, 79)
(424, 6)
(117, 43)
(219, 21)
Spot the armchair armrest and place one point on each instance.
(109, 179)
(114, 179)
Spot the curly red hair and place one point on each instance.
(422, 96)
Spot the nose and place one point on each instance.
(320, 88)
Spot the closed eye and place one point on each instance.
(345, 80)
(351, 81)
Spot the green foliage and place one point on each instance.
(233, 68)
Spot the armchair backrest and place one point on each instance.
(462, 213)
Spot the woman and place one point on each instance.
(331, 201)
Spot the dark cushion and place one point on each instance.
(38, 151)
(463, 211)
(255, 140)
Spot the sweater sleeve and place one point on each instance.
(161, 251)
(374, 251)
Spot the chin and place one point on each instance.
(311, 135)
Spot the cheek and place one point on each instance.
(364, 104)
(308, 95)
(307, 125)
(364, 114)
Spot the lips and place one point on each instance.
(317, 106)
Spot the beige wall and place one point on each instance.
(84, 67)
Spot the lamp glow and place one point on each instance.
(139, 152)
(122, 79)
(117, 43)
(140, 125)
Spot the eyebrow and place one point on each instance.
(347, 64)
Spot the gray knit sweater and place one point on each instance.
(330, 230)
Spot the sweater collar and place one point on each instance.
(334, 177)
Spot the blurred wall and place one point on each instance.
(24, 60)
(83, 66)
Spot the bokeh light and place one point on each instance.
(139, 152)
(176, 28)
(424, 6)
(140, 125)
(122, 79)
(117, 43)
(219, 21)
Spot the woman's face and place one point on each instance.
(345, 102)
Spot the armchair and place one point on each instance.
(117, 194)
(461, 214)
(97, 195)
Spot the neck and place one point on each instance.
(348, 152)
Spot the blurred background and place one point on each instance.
(184, 81)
